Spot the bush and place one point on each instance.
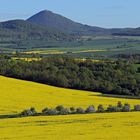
(126, 108)
(101, 109)
(91, 109)
(45, 110)
(52, 112)
(111, 108)
(120, 105)
(29, 112)
(72, 110)
(80, 110)
(33, 110)
(26, 113)
(64, 111)
(137, 108)
(59, 108)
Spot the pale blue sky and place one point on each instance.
(103, 13)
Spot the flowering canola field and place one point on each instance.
(111, 126)
(17, 95)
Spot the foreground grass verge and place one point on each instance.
(110, 126)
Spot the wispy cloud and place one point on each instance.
(115, 7)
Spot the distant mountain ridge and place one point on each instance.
(50, 19)
(56, 21)
(47, 26)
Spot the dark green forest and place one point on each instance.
(119, 77)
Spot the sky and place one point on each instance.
(102, 13)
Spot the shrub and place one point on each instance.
(59, 108)
(45, 110)
(64, 111)
(26, 113)
(137, 108)
(29, 112)
(111, 108)
(126, 108)
(80, 110)
(72, 110)
(120, 105)
(52, 112)
(101, 109)
(33, 110)
(91, 109)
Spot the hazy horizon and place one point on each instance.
(107, 14)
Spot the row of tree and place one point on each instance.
(61, 110)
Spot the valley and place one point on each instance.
(64, 80)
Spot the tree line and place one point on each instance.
(111, 77)
(61, 110)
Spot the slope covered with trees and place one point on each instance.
(59, 22)
(119, 78)
(56, 21)
(19, 33)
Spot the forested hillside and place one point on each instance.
(20, 33)
(118, 77)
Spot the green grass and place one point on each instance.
(111, 46)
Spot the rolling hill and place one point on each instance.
(24, 30)
(50, 19)
(47, 28)
(21, 34)
(59, 22)
(16, 95)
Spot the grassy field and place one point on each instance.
(16, 95)
(111, 126)
(98, 47)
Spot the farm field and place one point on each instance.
(17, 95)
(44, 52)
(51, 51)
(26, 59)
(95, 48)
(65, 75)
(111, 126)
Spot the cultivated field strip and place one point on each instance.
(110, 126)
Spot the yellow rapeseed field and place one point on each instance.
(44, 52)
(59, 52)
(16, 95)
(86, 51)
(111, 126)
(26, 59)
